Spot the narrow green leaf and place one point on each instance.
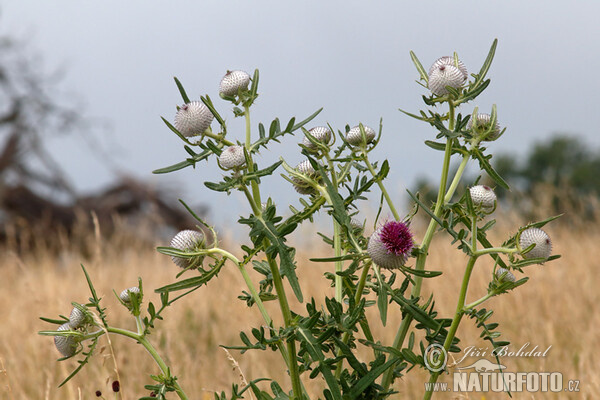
(174, 167)
(419, 66)
(436, 145)
(307, 120)
(184, 95)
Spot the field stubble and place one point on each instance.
(555, 308)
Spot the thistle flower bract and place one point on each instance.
(124, 296)
(188, 241)
(66, 345)
(320, 133)
(445, 75)
(482, 125)
(390, 244)
(354, 137)
(484, 197)
(508, 277)
(193, 119)
(305, 168)
(232, 157)
(543, 244)
(76, 318)
(233, 82)
(449, 60)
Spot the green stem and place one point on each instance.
(424, 248)
(253, 183)
(153, 353)
(219, 138)
(460, 310)
(457, 177)
(388, 200)
(287, 319)
(337, 245)
(495, 250)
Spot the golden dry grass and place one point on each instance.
(555, 308)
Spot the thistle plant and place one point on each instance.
(384, 269)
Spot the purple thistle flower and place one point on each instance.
(391, 244)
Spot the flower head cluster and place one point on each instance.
(67, 345)
(301, 186)
(188, 241)
(193, 119)
(390, 245)
(505, 275)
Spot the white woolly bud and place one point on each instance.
(188, 241)
(76, 318)
(66, 345)
(232, 157)
(233, 82)
(508, 277)
(484, 197)
(449, 60)
(305, 168)
(193, 119)
(543, 244)
(354, 136)
(445, 75)
(482, 125)
(124, 296)
(320, 133)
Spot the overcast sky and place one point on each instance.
(350, 57)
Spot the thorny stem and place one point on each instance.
(254, 184)
(337, 240)
(424, 248)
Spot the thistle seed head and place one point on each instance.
(233, 82)
(484, 197)
(543, 244)
(449, 60)
(188, 241)
(508, 277)
(482, 125)
(124, 296)
(66, 345)
(354, 137)
(193, 119)
(390, 245)
(320, 133)
(232, 157)
(76, 318)
(445, 75)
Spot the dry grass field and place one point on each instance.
(556, 308)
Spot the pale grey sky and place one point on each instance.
(350, 57)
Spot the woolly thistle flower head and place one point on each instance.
(444, 73)
(233, 82)
(66, 345)
(77, 318)
(354, 136)
(193, 119)
(543, 244)
(505, 275)
(321, 133)
(188, 241)
(449, 60)
(482, 125)
(390, 245)
(124, 296)
(232, 157)
(484, 197)
(305, 168)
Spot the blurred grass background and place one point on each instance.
(555, 308)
